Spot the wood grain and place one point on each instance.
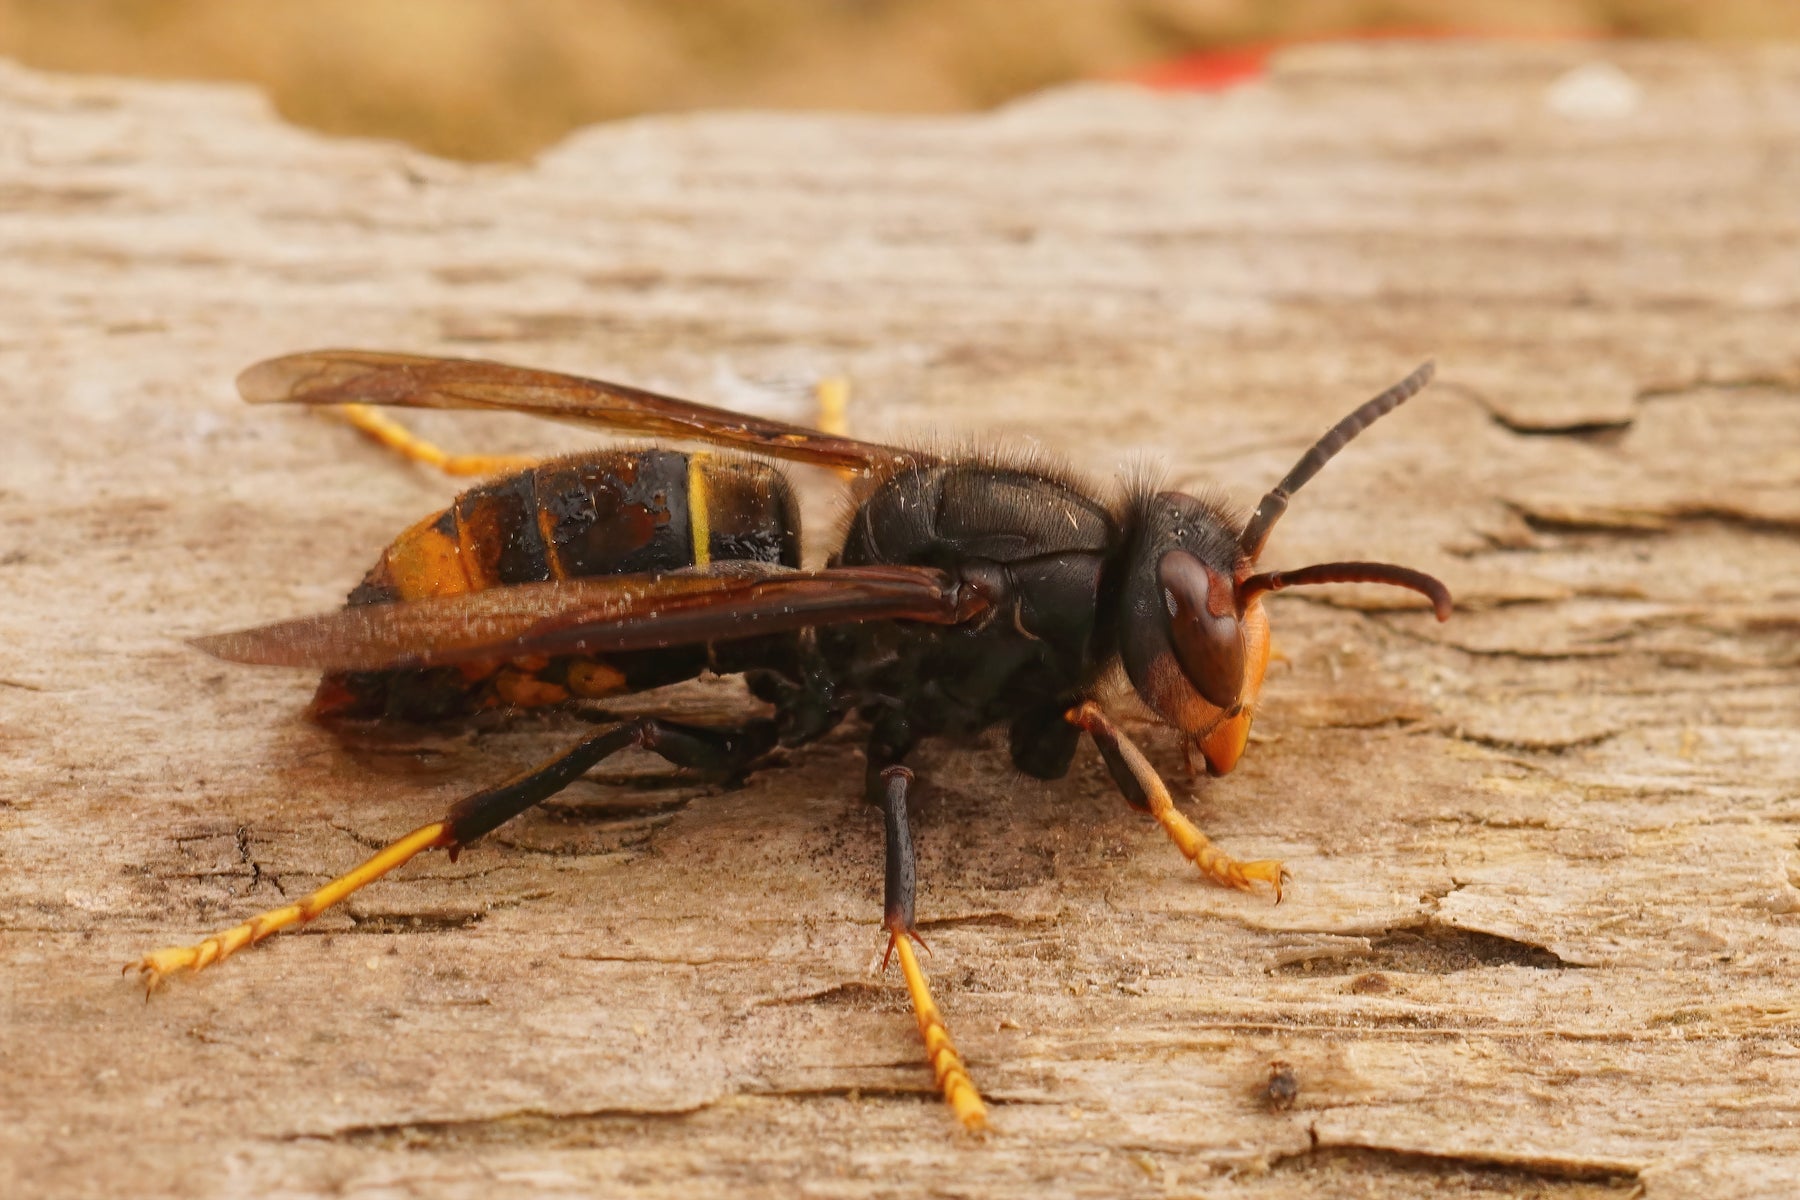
(1544, 935)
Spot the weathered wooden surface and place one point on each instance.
(1544, 937)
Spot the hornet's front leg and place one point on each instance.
(897, 916)
(1144, 788)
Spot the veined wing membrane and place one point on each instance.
(596, 616)
(421, 381)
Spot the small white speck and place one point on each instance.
(1596, 91)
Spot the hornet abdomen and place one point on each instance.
(613, 512)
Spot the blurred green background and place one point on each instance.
(500, 79)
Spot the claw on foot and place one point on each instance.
(158, 965)
(165, 962)
(893, 938)
(1246, 875)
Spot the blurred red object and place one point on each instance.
(1216, 70)
(1209, 70)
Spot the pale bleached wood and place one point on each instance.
(1544, 937)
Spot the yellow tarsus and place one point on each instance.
(946, 1064)
(158, 965)
(382, 429)
(1213, 862)
(1194, 845)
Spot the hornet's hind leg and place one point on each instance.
(946, 1064)
(383, 430)
(722, 751)
(833, 396)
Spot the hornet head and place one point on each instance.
(1194, 638)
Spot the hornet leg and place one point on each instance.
(1143, 788)
(714, 750)
(946, 1064)
(833, 395)
(383, 430)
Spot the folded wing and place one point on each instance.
(597, 616)
(420, 381)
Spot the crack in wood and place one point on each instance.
(599, 813)
(380, 923)
(1772, 381)
(517, 1125)
(1430, 948)
(852, 993)
(257, 874)
(1518, 745)
(668, 960)
(995, 919)
(1598, 431)
(1498, 1171)
(1651, 522)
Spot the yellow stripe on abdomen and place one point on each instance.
(699, 519)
